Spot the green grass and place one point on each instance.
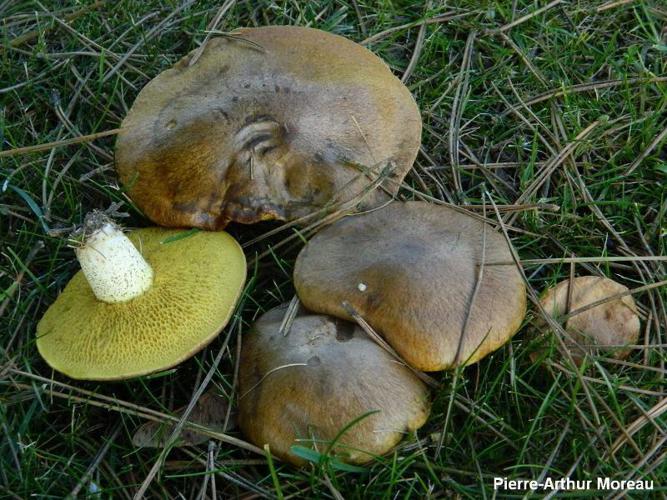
(602, 79)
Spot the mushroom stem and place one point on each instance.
(114, 268)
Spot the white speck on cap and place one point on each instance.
(362, 287)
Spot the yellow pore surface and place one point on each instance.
(198, 279)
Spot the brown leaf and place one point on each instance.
(210, 411)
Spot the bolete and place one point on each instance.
(268, 123)
(607, 327)
(141, 303)
(304, 387)
(413, 272)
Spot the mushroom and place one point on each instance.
(411, 270)
(268, 123)
(140, 304)
(608, 326)
(307, 385)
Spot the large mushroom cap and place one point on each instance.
(270, 123)
(197, 281)
(608, 326)
(312, 382)
(410, 271)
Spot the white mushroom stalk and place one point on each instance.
(113, 266)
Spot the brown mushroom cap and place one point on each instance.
(312, 382)
(269, 123)
(609, 326)
(410, 271)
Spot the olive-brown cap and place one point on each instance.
(411, 270)
(608, 326)
(269, 123)
(197, 281)
(319, 377)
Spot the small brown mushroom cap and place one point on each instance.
(269, 123)
(608, 326)
(197, 281)
(312, 382)
(410, 270)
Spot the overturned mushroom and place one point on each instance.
(412, 271)
(141, 304)
(304, 387)
(269, 123)
(607, 327)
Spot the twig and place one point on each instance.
(9, 293)
(290, 314)
(468, 313)
(419, 45)
(658, 139)
(585, 87)
(57, 144)
(449, 16)
(179, 426)
(579, 260)
(267, 374)
(526, 17)
(370, 331)
(478, 284)
(154, 31)
(649, 416)
(529, 64)
(130, 409)
(621, 387)
(557, 160)
(611, 298)
(555, 326)
(457, 111)
(96, 462)
(360, 18)
(30, 35)
(211, 26)
(611, 5)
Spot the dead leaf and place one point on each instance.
(210, 411)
